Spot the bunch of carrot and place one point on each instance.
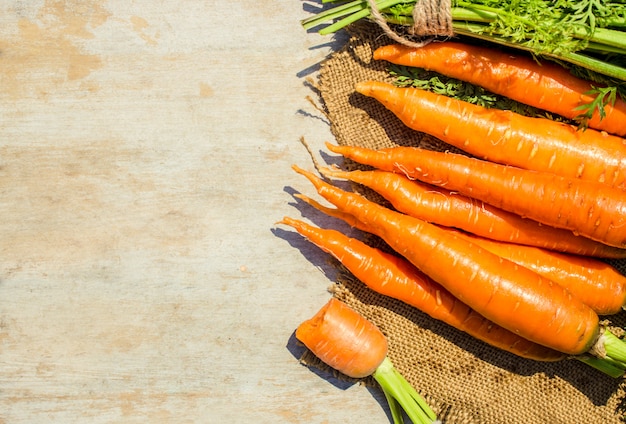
(544, 85)
(458, 280)
(506, 245)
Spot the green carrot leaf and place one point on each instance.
(603, 96)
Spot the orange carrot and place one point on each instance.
(393, 276)
(613, 364)
(511, 296)
(506, 137)
(596, 283)
(591, 210)
(343, 339)
(543, 85)
(444, 207)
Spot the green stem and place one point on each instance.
(332, 14)
(395, 408)
(364, 12)
(493, 13)
(459, 14)
(615, 348)
(604, 49)
(608, 354)
(596, 65)
(604, 365)
(607, 37)
(395, 386)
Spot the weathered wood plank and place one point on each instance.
(144, 157)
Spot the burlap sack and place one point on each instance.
(465, 381)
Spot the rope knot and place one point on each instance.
(431, 18)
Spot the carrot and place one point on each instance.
(444, 207)
(506, 137)
(591, 210)
(511, 296)
(596, 283)
(345, 340)
(543, 85)
(603, 363)
(393, 276)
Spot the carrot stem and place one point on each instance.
(604, 365)
(360, 14)
(395, 386)
(575, 58)
(615, 348)
(608, 354)
(331, 14)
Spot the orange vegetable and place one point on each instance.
(444, 207)
(506, 137)
(589, 209)
(346, 341)
(595, 282)
(511, 296)
(543, 85)
(393, 276)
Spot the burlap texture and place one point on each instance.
(465, 381)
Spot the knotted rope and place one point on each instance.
(431, 18)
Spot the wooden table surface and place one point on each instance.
(145, 152)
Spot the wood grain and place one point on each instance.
(145, 153)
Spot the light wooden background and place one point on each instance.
(145, 152)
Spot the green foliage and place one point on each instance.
(587, 36)
(564, 29)
(603, 96)
(592, 13)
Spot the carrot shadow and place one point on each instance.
(620, 410)
(320, 259)
(306, 358)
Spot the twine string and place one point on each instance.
(431, 18)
